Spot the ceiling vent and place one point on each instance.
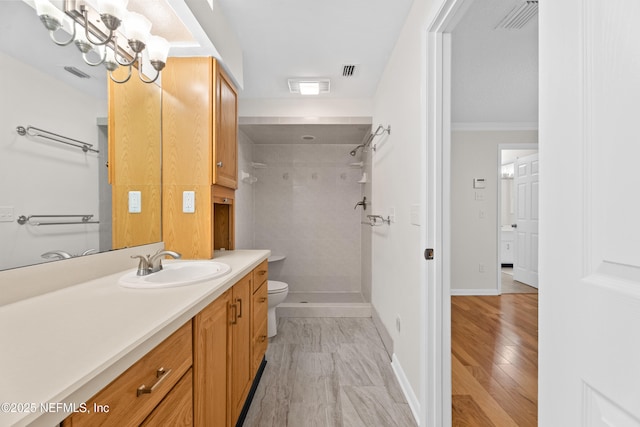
(350, 70)
(77, 72)
(299, 85)
(519, 16)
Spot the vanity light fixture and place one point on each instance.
(101, 35)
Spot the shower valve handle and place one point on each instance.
(362, 203)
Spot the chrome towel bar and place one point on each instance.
(84, 219)
(34, 131)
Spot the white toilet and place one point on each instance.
(277, 293)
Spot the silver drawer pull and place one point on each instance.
(161, 374)
(239, 300)
(234, 317)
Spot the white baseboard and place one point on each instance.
(474, 292)
(411, 397)
(385, 336)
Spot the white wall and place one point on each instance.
(244, 210)
(41, 177)
(398, 167)
(474, 154)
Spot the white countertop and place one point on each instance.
(64, 346)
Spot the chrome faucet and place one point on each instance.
(56, 255)
(155, 262)
(152, 263)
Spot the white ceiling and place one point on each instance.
(494, 72)
(283, 39)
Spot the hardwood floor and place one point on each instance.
(330, 372)
(494, 356)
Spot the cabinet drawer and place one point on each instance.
(176, 409)
(260, 342)
(260, 304)
(260, 275)
(133, 395)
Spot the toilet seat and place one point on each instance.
(276, 287)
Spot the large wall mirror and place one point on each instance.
(45, 182)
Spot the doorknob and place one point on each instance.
(428, 254)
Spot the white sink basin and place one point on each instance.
(179, 273)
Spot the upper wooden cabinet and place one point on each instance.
(225, 146)
(199, 123)
(199, 137)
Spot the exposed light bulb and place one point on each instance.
(116, 8)
(158, 49)
(137, 27)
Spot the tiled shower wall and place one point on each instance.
(304, 208)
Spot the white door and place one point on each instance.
(525, 263)
(589, 340)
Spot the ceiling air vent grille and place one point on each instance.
(519, 16)
(76, 72)
(349, 70)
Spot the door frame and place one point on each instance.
(436, 305)
(501, 148)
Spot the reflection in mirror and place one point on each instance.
(41, 176)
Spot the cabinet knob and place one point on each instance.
(219, 164)
(263, 299)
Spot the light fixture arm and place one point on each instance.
(53, 25)
(110, 22)
(156, 66)
(115, 56)
(93, 64)
(120, 81)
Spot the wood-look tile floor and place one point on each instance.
(494, 357)
(330, 372)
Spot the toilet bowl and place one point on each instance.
(277, 293)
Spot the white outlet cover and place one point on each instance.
(188, 201)
(135, 201)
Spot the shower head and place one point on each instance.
(355, 150)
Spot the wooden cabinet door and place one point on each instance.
(210, 363)
(226, 132)
(176, 409)
(240, 346)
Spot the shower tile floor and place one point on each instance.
(328, 372)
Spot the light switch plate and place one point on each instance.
(135, 202)
(6, 213)
(188, 201)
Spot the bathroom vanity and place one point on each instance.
(98, 352)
